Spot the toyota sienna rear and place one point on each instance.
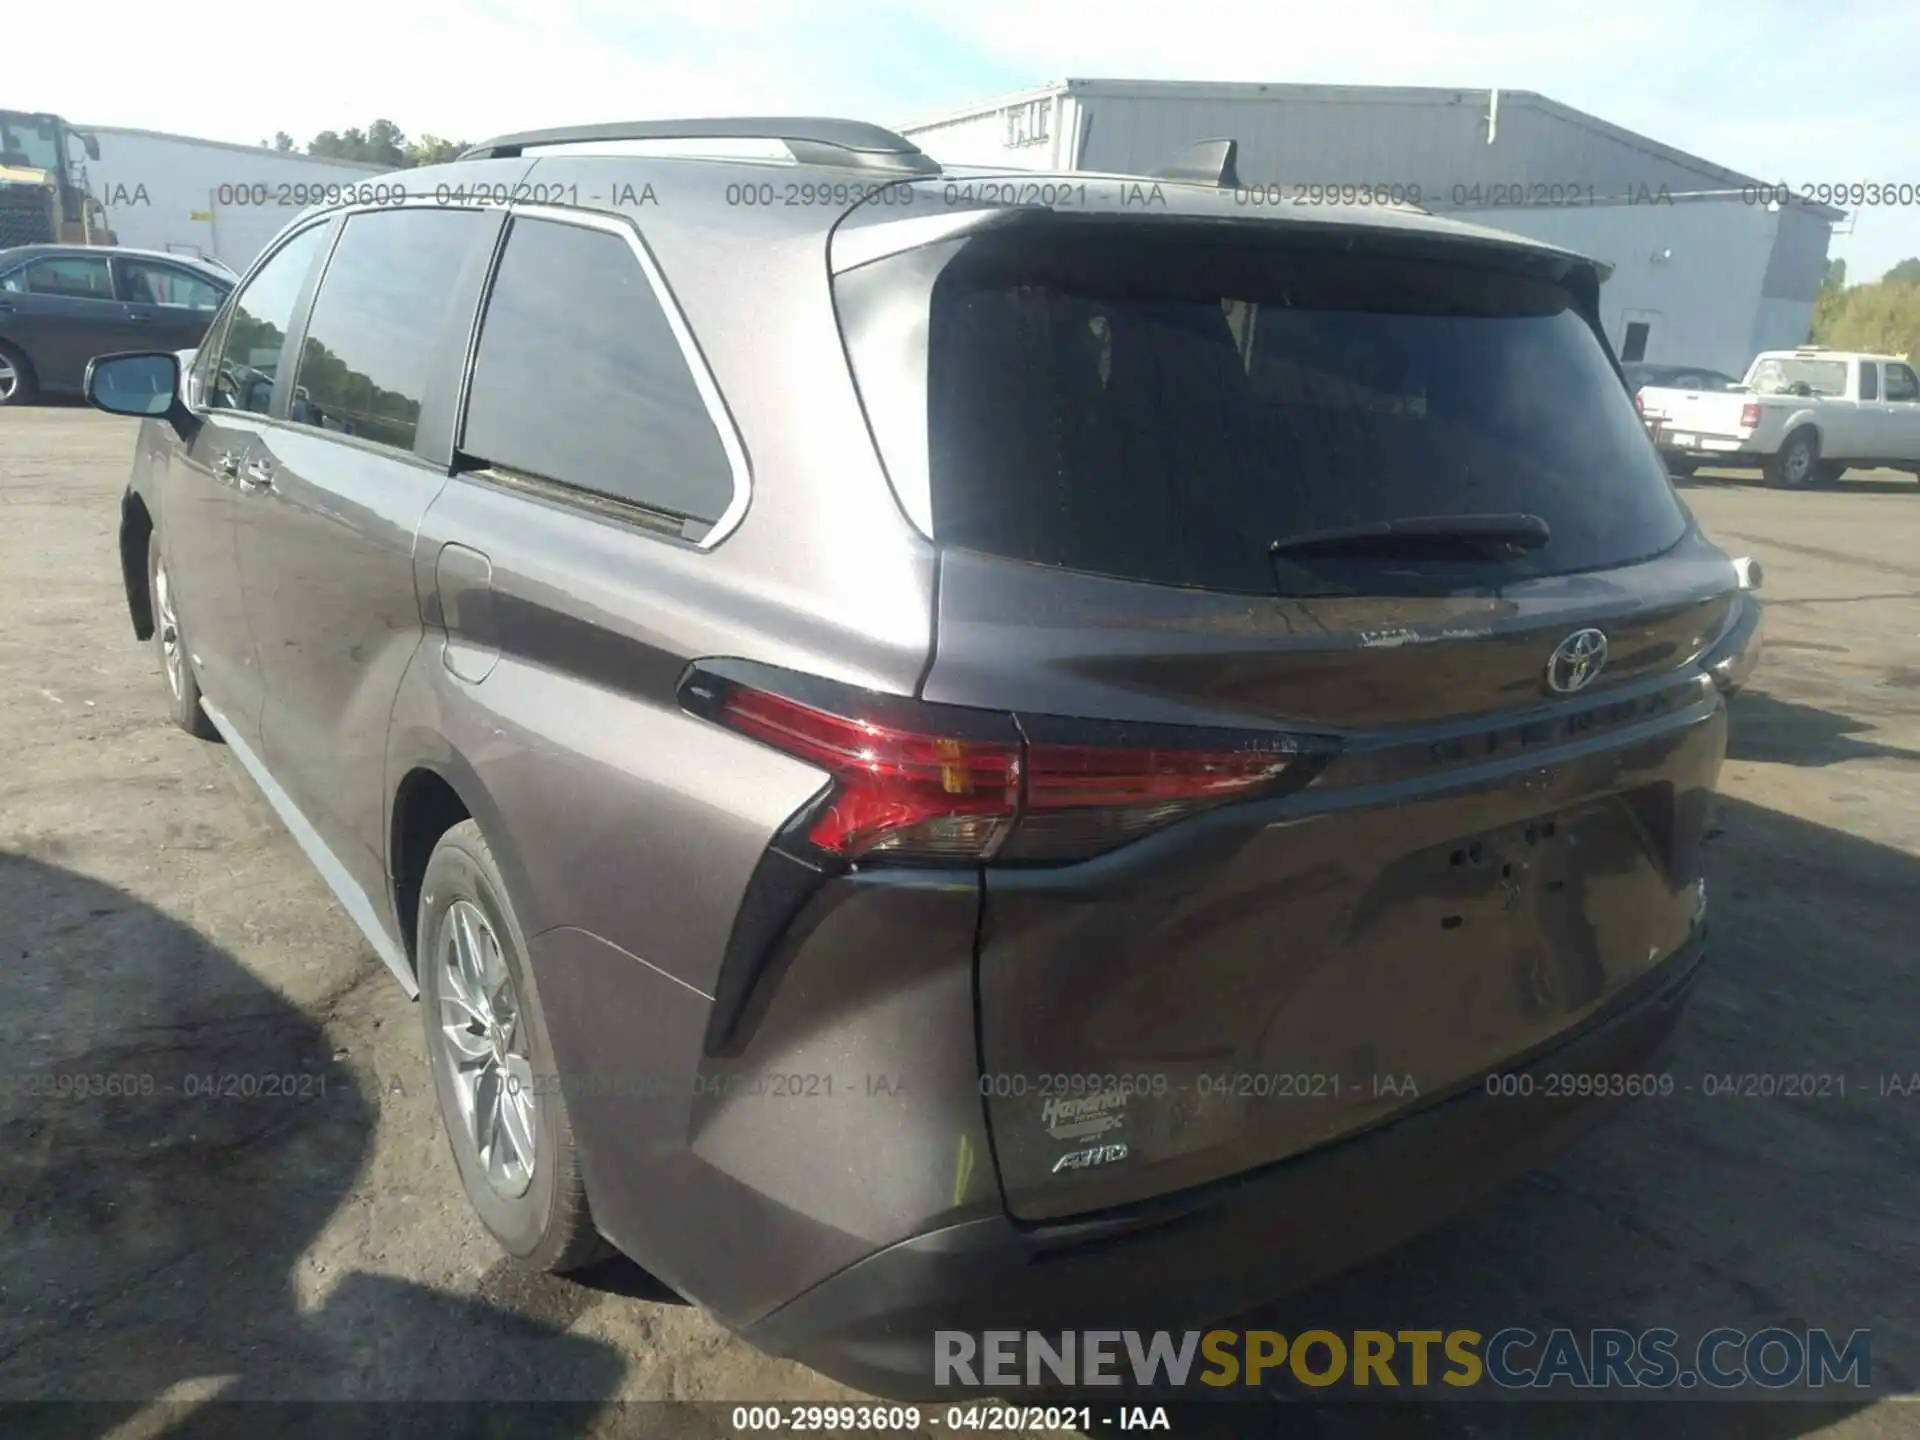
(945, 764)
(1337, 823)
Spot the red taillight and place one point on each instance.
(898, 791)
(1750, 415)
(908, 793)
(1638, 403)
(1082, 799)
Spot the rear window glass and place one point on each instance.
(1799, 377)
(1160, 407)
(581, 380)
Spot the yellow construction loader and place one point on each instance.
(43, 189)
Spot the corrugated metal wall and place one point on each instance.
(1736, 274)
(1799, 260)
(1033, 131)
(1436, 140)
(1691, 272)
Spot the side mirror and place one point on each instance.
(142, 383)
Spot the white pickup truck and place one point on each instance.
(1801, 416)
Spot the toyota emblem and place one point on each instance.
(1577, 661)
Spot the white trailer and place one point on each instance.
(206, 197)
(1706, 271)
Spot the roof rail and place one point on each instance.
(811, 140)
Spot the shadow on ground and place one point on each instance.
(157, 1238)
(1785, 732)
(1851, 484)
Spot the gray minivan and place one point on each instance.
(946, 750)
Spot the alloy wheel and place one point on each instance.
(482, 1022)
(169, 626)
(1799, 464)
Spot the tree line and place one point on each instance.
(1879, 315)
(381, 143)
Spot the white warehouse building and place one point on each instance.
(205, 197)
(1706, 271)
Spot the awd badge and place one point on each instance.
(1093, 1155)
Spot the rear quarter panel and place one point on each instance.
(628, 830)
(1778, 421)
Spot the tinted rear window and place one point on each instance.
(581, 380)
(1162, 406)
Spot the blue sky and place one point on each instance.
(1786, 91)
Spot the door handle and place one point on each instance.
(258, 475)
(141, 319)
(228, 463)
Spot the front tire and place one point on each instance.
(493, 1066)
(1680, 469)
(170, 646)
(1792, 467)
(18, 384)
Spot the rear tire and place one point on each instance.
(493, 1066)
(1828, 472)
(1792, 467)
(18, 384)
(170, 648)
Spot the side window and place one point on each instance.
(1869, 380)
(580, 378)
(256, 331)
(374, 335)
(1901, 384)
(74, 277)
(148, 283)
(1634, 346)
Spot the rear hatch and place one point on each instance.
(1682, 415)
(1477, 829)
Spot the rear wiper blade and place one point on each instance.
(1422, 535)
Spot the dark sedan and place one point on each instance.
(1679, 377)
(61, 305)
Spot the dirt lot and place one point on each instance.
(155, 918)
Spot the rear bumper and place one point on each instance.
(1210, 1253)
(1681, 440)
(1726, 449)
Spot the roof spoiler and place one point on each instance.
(1209, 162)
